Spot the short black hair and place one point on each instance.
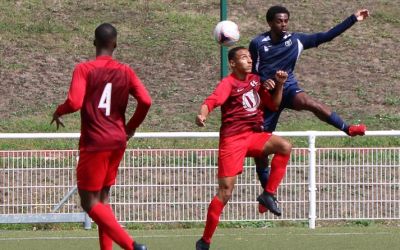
(275, 10)
(105, 33)
(232, 52)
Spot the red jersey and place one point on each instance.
(241, 105)
(100, 89)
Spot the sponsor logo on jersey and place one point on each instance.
(251, 100)
(288, 43)
(253, 83)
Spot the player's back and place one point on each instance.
(104, 104)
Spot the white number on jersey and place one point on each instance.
(105, 100)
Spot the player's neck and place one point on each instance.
(275, 38)
(104, 52)
(240, 75)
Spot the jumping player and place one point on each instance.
(241, 97)
(100, 89)
(279, 49)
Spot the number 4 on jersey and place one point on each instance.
(105, 100)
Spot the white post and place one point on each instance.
(311, 183)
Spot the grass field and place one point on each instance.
(374, 237)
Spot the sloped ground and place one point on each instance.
(169, 45)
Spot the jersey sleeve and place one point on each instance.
(76, 92)
(140, 93)
(315, 39)
(266, 99)
(219, 95)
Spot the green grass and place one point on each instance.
(169, 42)
(352, 237)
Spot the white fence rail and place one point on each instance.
(176, 185)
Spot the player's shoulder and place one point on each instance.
(86, 64)
(82, 66)
(228, 81)
(261, 38)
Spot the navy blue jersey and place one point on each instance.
(268, 57)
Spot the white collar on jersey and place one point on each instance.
(268, 37)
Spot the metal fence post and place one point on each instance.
(311, 182)
(87, 224)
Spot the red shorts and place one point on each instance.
(98, 169)
(233, 150)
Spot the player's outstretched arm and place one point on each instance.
(202, 116)
(361, 14)
(315, 39)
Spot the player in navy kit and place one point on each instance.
(100, 89)
(279, 49)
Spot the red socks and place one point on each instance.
(106, 242)
(214, 211)
(105, 219)
(278, 170)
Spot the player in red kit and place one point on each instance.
(242, 98)
(100, 90)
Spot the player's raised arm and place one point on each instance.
(315, 39)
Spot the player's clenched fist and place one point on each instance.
(281, 76)
(269, 84)
(362, 14)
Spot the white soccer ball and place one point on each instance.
(226, 33)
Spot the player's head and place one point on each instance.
(105, 36)
(240, 60)
(278, 19)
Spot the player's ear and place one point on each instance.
(232, 63)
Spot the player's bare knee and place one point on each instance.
(226, 196)
(286, 147)
(225, 193)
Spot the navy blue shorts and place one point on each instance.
(270, 117)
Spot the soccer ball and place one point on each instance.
(226, 33)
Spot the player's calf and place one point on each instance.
(263, 170)
(263, 175)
